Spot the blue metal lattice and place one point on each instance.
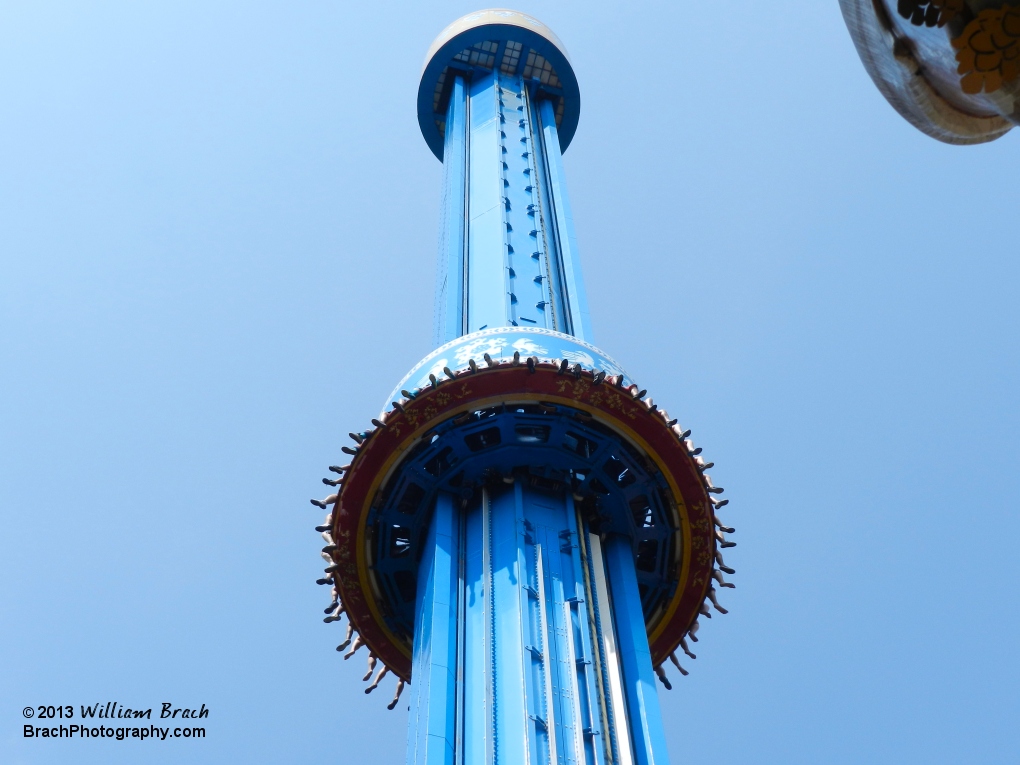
(555, 448)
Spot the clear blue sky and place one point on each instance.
(218, 225)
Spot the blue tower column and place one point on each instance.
(529, 692)
(450, 274)
(636, 660)
(520, 516)
(433, 715)
(510, 658)
(508, 253)
(529, 644)
(571, 286)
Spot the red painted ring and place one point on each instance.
(615, 408)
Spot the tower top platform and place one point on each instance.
(510, 41)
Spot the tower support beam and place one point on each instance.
(575, 301)
(451, 272)
(508, 252)
(635, 658)
(507, 663)
(432, 729)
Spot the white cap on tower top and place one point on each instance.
(510, 41)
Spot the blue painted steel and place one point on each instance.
(563, 226)
(450, 273)
(476, 691)
(643, 710)
(488, 293)
(557, 447)
(527, 625)
(583, 648)
(512, 679)
(509, 705)
(532, 303)
(508, 648)
(551, 559)
(507, 227)
(601, 621)
(431, 738)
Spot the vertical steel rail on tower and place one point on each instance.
(508, 253)
(517, 656)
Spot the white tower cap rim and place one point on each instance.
(483, 37)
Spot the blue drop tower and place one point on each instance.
(522, 534)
